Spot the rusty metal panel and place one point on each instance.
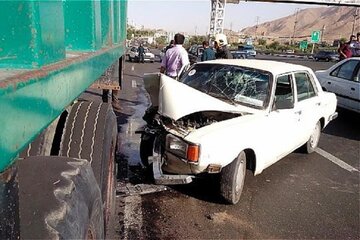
(110, 78)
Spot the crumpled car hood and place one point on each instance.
(176, 100)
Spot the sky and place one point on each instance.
(194, 16)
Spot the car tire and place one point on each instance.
(313, 141)
(232, 179)
(146, 148)
(316, 59)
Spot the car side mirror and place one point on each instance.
(356, 79)
(283, 104)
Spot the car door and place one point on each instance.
(344, 82)
(282, 121)
(307, 105)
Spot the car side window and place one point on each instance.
(346, 70)
(304, 86)
(283, 91)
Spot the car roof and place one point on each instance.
(274, 67)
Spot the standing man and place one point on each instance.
(357, 46)
(175, 58)
(141, 52)
(208, 53)
(220, 44)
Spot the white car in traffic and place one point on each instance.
(343, 79)
(133, 55)
(224, 116)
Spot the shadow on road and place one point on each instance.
(346, 125)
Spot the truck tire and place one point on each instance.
(232, 179)
(42, 144)
(146, 148)
(313, 141)
(90, 133)
(59, 198)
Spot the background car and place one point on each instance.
(133, 55)
(327, 56)
(248, 49)
(237, 54)
(195, 52)
(343, 80)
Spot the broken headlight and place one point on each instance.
(182, 149)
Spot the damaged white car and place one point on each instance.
(226, 116)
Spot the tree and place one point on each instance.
(262, 42)
(162, 40)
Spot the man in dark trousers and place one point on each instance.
(208, 53)
(141, 52)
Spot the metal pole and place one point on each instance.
(354, 22)
(312, 50)
(293, 35)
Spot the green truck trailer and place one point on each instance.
(57, 166)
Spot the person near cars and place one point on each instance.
(141, 52)
(344, 50)
(171, 44)
(220, 44)
(356, 52)
(175, 58)
(351, 44)
(208, 53)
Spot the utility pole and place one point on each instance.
(295, 22)
(322, 34)
(354, 22)
(257, 23)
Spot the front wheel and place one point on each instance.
(232, 179)
(313, 141)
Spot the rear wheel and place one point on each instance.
(313, 141)
(232, 179)
(63, 202)
(90, 133)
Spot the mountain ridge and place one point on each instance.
(333, 22)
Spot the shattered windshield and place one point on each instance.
(233, 84)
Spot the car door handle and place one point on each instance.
(329, 82)
(353, 89)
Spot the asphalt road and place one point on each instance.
(302, 196)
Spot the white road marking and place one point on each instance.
(132, 68)
(336, 160)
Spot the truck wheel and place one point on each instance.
(232, 179)
(146, 148)
(62, 202)
(90, 133)
(313, 141)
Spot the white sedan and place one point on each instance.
(343, 79)
(133, 55)
(226, 116)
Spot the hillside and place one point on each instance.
(337, 22)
